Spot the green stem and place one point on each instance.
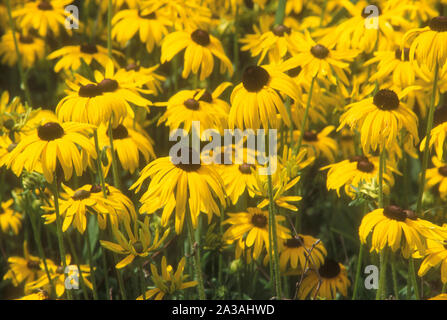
(92, 267)
(381, 292)
(412, 274)
(116, 179)
(280, 12)
(220, 260)
(358, 271)
(394, 275)
(109, 29)
(306, 115)
(24, 84)
(196, 250)
(76, 259)
(98, 164)
(429, 125)
(381, 168)
(142, 278)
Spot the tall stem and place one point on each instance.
(394, 275)
(306, 115)
(381, 168)
(358, 271)
(429, 125)
(142, 278)
(196, 251)
(109, 29)
(98, 164)
(412, 274)
(280, 12)
(381, 292)
(92, 267)
(116, 179)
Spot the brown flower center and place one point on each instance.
(89, 48)
(319, 51)
(330, 269)
(188, 163)
(201, 37)
(90, 90)
(294, 242)
(358, 158)
(280, 29)
(443, 171)
(206, 96)
(31, 264)
(411, 214)
(119, 132)
(255, 78)
(45, 6)
(395, 213)
(365, 166)
(97, 188)
(26, 39)
(50, 131)
(245, 168)
(192, 104)
(310, 136)
(132, 66)
(438, 24)
(386, 99)
(108, 85)
(259, 220)
(81, 195)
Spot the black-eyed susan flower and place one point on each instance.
(50, 145)
(10, 220)
(427, 44)
(44, 16)
(138, 243)
(351, 173)
(438, 176)
(31, 49)
(70, 56)
(301, 252)
(129, 143)
(331, 278)
(395, 228)
(437, 140)
(256, 101)
(143, 76)
(151, 25)
(176, 183)
(380, 119)
(436, 254)
(168, 282)
(318, 143)
(200, 50)
(253, 227)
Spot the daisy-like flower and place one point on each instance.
(176, 184)
(355, 171)
(253, 227)
(24, 270)
(436, 254)
(395, 65)
(143, 76)
(380, 119)
(320, 143)
(31, 49)
(427, 44)
(438, 176)
(256, 101)
(50, 145)
(102, 101)
(437, 139)
(128, 143)
(151, 26)
(395, 228)
(200, 49)
(9, 218)
(169, 282)
(294, 253)
(39, 295)
(320, 59)
(333, 277)
(200, 105)
(45, 16)
(138, 243)
(70, 56)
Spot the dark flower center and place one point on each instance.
(81, 195)
(90, 90)
(245, 168)
(132, 66)
(386, 100)
(395, 213)
(12, 146)
(26, 39)
(45, 6)
(294, 72)
(358, 158)
(319, 51)
(443, 171)
(438, 24)
(249, 4)
(206, 96)
(108, 85)
(398, 54)
(35, 265)
(150, 16)
(119, 132)
(97, 188)
(259, 220)
(50, 131)
(89, 48)
(310, 136)
(188, 164)
(255, 78)
(192, 104)
(138, 246)
(411, 214)
(365, 166)
(294, 242)
(330, 269)
(201, 37)
(280, 29)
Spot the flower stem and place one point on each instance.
(381, 168)
(429, 125)
(116, 179)
(109, 29)
(92, 267)
(306, 115)
(412, 274)
(196, 251)
(98, 164)
(280, 12)
(394, 275)
(142, 278)
(24, 84)
(357, 272)
(381, 292)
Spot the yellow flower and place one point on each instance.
(31, 49)
(437, 139)
(169, 282)
(9, 218)
(438, 175)
(317, 144)
(436, 254)
(142, 76)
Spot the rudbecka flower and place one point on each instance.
(333, 277)
(438, 176)
(31, 49)
(10, 220)
(51, 145)
(200, 49)
(437, 139)
(256, 101)
(318, 143)
(176, 184)
(436, 254)
(380, 119)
